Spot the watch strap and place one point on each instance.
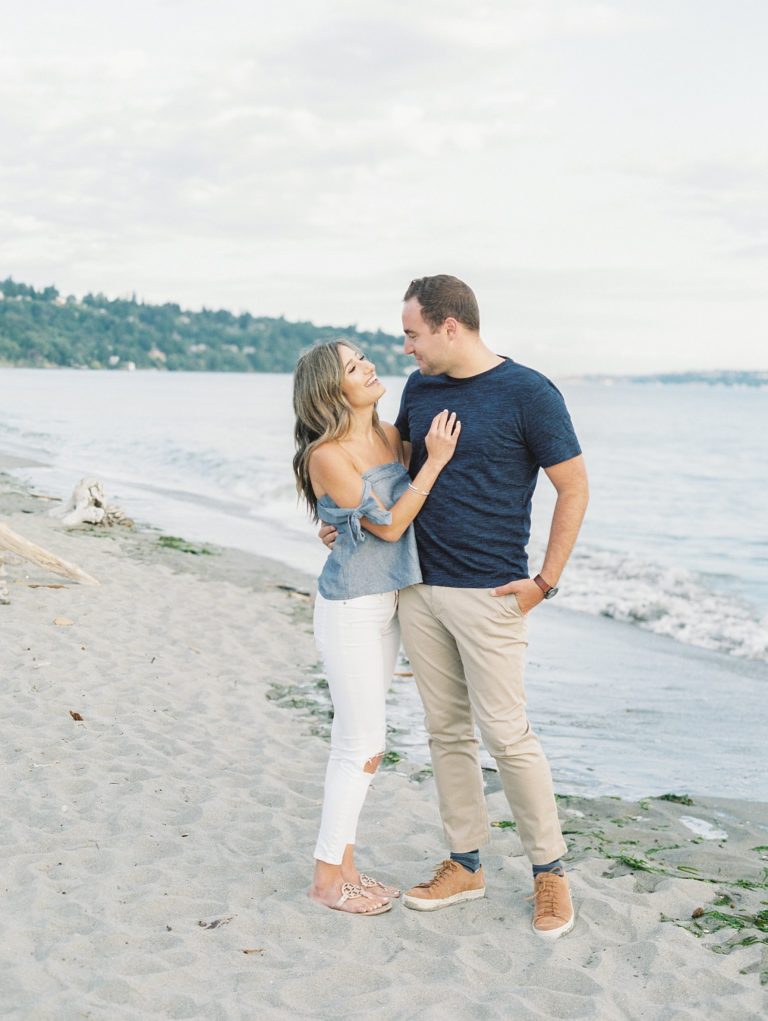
(542, 584)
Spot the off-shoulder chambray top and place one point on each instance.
(361, 564)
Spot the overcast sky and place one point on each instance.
(597, 171)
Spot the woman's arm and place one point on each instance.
(332, 472)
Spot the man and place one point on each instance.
(465, 628)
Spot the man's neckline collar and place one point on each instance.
(479, 375)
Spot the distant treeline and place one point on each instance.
(726, 377)
(718, 377)
(42, 328)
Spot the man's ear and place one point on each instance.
(451, 327)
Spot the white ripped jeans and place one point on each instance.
(358, 641)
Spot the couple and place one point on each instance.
(428, 522)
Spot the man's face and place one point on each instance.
(431, 350)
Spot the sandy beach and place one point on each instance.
(156, 852)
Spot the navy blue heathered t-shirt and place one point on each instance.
(473, 530)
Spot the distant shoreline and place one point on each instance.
(42, 328)
(721, 377)
(729, 378)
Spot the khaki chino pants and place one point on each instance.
(467, 649)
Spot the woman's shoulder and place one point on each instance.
(331, 468)
(327, 455)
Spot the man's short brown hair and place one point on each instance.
(442, 297)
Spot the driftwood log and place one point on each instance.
(15, 543)
(88, 506)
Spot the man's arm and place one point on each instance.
(570, 480)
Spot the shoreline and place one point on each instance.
(208, 482)
(158, 850)
(621, 710)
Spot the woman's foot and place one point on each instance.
(351, 874)
(375, 886)
(350, 898)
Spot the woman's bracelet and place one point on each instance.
(419, 491)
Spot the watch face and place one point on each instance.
(550, 593)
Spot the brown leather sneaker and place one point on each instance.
(552, 906)
(450, 884)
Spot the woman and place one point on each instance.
(349, 467)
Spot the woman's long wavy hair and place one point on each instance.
(322, 411)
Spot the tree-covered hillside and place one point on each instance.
(42, 328)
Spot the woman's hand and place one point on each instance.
(442, 438)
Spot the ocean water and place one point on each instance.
(675, 540)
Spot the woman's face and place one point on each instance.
(360, 386)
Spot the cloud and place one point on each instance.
(731, 193)
(310, 158)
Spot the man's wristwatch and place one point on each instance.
(549, 590)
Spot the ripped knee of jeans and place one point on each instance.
(373, 763)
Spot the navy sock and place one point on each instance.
(469, 859)
(554, 866)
